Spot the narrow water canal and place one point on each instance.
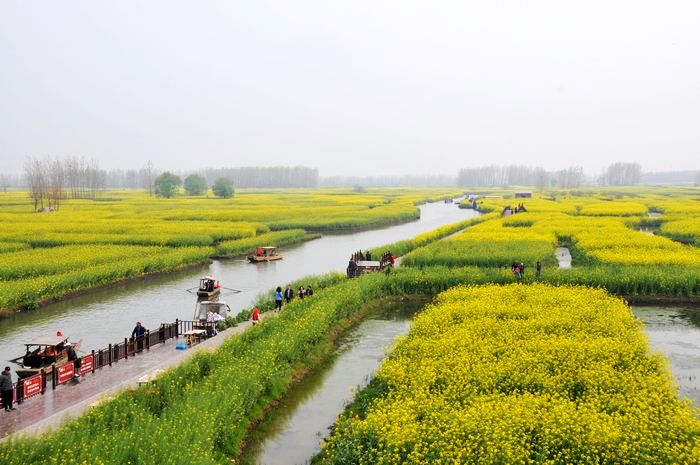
(675, 332)
(108, 315)
(293, 433)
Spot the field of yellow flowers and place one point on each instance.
(519, 374)
(599, 228)
(90, 243)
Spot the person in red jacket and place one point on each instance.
(256, 316)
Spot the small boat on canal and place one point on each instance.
(208, 287)
(265, 254)
(44, 353)
(360, 264)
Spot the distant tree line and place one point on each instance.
(671, 177)
(520, 175)
(623, 174)
(168, 184)
(51, 180)
(265, 177)
(388, 181)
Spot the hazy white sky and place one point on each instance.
(352, 87)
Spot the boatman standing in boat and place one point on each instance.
(6, 389)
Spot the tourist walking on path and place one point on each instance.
(6, 389)
(309, 291)
(302, 292)
(288, 293)
(256, 316)
(522, 269)
(278, 299)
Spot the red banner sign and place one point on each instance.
(86, 364)
(32, 386)
(65, 373)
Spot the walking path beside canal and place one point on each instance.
(49, 410)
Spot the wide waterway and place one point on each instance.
(108, 315)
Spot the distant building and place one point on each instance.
(523, 194)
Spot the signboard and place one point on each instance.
(65, 373)
(86, 364)
(32, 386)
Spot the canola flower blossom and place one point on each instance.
(519, 374)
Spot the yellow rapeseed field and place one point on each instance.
(520, 375)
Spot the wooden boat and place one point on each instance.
(208, 287)
(265, 254)
(43, 353)
(357, 267)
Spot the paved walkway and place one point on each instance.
(70, 400)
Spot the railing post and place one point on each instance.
(54, 375)
(110, 355)
(43, 381)
(177, 327)
(94, 362)
(148, 339)
(19, 390)
(126, 348)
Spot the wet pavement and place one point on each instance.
(70, 400)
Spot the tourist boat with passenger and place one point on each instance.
(265, 254)
(44, 353)
(208, 287)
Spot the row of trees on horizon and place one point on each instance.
(50, 180)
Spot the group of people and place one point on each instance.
(289, 294)
(518, 269)
(284, 296)
(508, 210)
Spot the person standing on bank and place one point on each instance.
(538, 268)
(6, 389)
(137, 334)
(255, 316)
(278, 299)
(288, 293)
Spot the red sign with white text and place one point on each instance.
(86, 364)
(32, 386)
(65, 373)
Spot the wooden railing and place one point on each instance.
(37, 384)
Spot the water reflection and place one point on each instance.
(675, 332)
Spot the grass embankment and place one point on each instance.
(519, 375)
(401, 248)
(29, 292)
